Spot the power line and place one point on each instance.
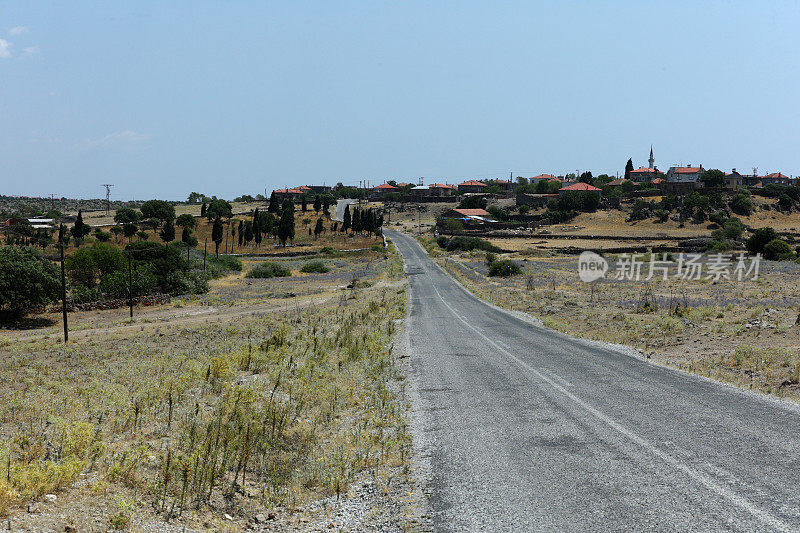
(108, 196)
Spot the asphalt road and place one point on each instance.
(525, 429)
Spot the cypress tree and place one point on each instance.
(286, 225)
(317, 204)
(347, 219)
(216, 234)
(304, 204)
(186, 235)
(248, 232)
(241, 231)
(318, 228)
(273, 203)
(257, 226)
(167, 233)
(203, 210)
(628, 169)
(357, 227)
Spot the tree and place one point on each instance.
(304, 204)
(777, 249)
(286, 225)
(628, 169)
(185, 221)
(759, 239)
(80, 230)
(347, 219)
(326, 204)
(317, 204)
(26, 281)
(257, 226)
(241, 232)
(203, 210)
(88, 265)
(196, 197)
(167, 233)
(357, 227)
(318, 228)
(126, 215)
(248, 232)
(741, 204)
(117, 231)
(187, 238)
(713, 178)
(219, 209)
(129, 230)
(143, 235)
(159, 210)
(273, 203)
(216, 234)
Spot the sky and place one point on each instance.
(233, 97)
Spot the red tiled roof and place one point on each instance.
(688, 170)
(543, 177)
(614, 183)
(442, 186)
(579, 187)
(777, 175)
(644, 169)
(384, 186)
(472, 212)
(474, 183)
(403, 184)
(303, 188)
(501, 181)
(657, 180)
(288, 191)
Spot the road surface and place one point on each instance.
(528, 430)
(341, 205)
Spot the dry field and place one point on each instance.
(738, 332)
(239, 408)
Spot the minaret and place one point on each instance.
(651, 160)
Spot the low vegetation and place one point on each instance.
(269, 270)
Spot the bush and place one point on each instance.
(269, 270)
(777, 249)
(558, 217)
(523, 209)
(741, 204)
(491, 257)
(467, 244)
(228, 262)
(377, 248)
(189, 282)
(759, 239)
(143, 281)
(720, 246)
(472, 202)
(316, 266)
(504, 268)
(26, 281)
(442, 241)
(453, 225)
(87, 265)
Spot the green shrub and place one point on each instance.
(143, 281)
(185, 282)
(491, 257)
(26, 281)
(228, 262)
(720, 246)
(759, 239)
(269, 270)
(504, 268)
(442, 241)
(467, 244)
(777, 249)
(377, 248)
(316, 266)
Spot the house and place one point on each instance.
(543, 177)
(644, 174)
(471, 186)
(36, 223)
(734, 180)
(287, 194)
(776, 178)
(319, 189)
(617, 182)
(679, 187)
(479, 216)
(506, 186)
(441, 189)
(383, 188)
(419, 192)
(579, 187)
(687, 174)
(657, 181)
(534, 200)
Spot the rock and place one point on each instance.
(228, 517)
(34, 507)
(272, 516)
(70, 529)
(50, 498)
(260, 518)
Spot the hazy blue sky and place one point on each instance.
(234, 97)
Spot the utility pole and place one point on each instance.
(64, 293)
(108, 195)
(130, 283)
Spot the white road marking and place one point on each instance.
(764, 516)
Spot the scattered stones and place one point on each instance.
(50, 498)
(34, 507)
